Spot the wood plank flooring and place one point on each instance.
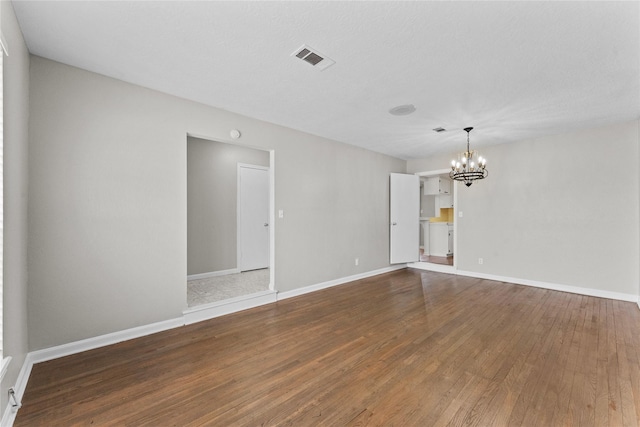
(407, 348)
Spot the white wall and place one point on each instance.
(16, 113)
(561, 209)
(108, 202)
(212, 189)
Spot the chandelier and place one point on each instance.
(469, 166)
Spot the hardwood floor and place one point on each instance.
(408, 348)
(444, 260)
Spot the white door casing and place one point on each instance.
(253, 217)
(404, 216)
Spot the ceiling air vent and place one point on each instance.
(313, 57)
(439, 130)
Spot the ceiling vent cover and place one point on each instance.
(439, 130)
(313, 57)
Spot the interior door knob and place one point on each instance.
(266, 224)
(394, 223)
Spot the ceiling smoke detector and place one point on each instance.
(402, 110)
(313, 57)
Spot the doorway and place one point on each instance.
(224, 262)
(438, 228)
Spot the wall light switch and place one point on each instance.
(460, 214)
(280, 213)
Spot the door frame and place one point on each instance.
(454, 188)
(239, 166)
(272, 199)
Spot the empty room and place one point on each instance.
(320, 213)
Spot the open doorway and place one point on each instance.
(437, 221)
(229, 212)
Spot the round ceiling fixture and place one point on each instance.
(402, 110)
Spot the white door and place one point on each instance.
(253, 226)
(404, 215)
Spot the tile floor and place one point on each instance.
(218, 288)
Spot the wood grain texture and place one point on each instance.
(404, 348)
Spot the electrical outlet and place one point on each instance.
(459, 214)
(357, 261)
(280, 213)
(480, 261)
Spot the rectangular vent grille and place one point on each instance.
(439, 130)
(313, 57)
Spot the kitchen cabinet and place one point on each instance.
(442, 202)
(437, 185)
(440, 239)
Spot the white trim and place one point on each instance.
(545, 285)
(336, 282)
(103, 340)
(429, 266)
(190, 316)
(8, 417)
(10, 413)
(272, 220)
(3, 366)
(272, 196)
(213, 274)
(228, 306)
(553, 286)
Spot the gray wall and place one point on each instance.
(108, 203)
(16, 113)
(212, 181)
(561, 209)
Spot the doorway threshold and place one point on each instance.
(228, 306)
(440, 268)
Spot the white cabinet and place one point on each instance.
(442, 202)
(425, 236)
(440, 239)
(437, 185)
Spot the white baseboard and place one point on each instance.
(189, 316)
(10, 412)
(336, 282)
(429, 266)
(217, 309)
(103, 340)
(213, 274)
(553, 286)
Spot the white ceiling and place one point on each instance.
(513, 70)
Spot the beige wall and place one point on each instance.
(15, 120)
(561, 209)
(108, 203)
(212, 184)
